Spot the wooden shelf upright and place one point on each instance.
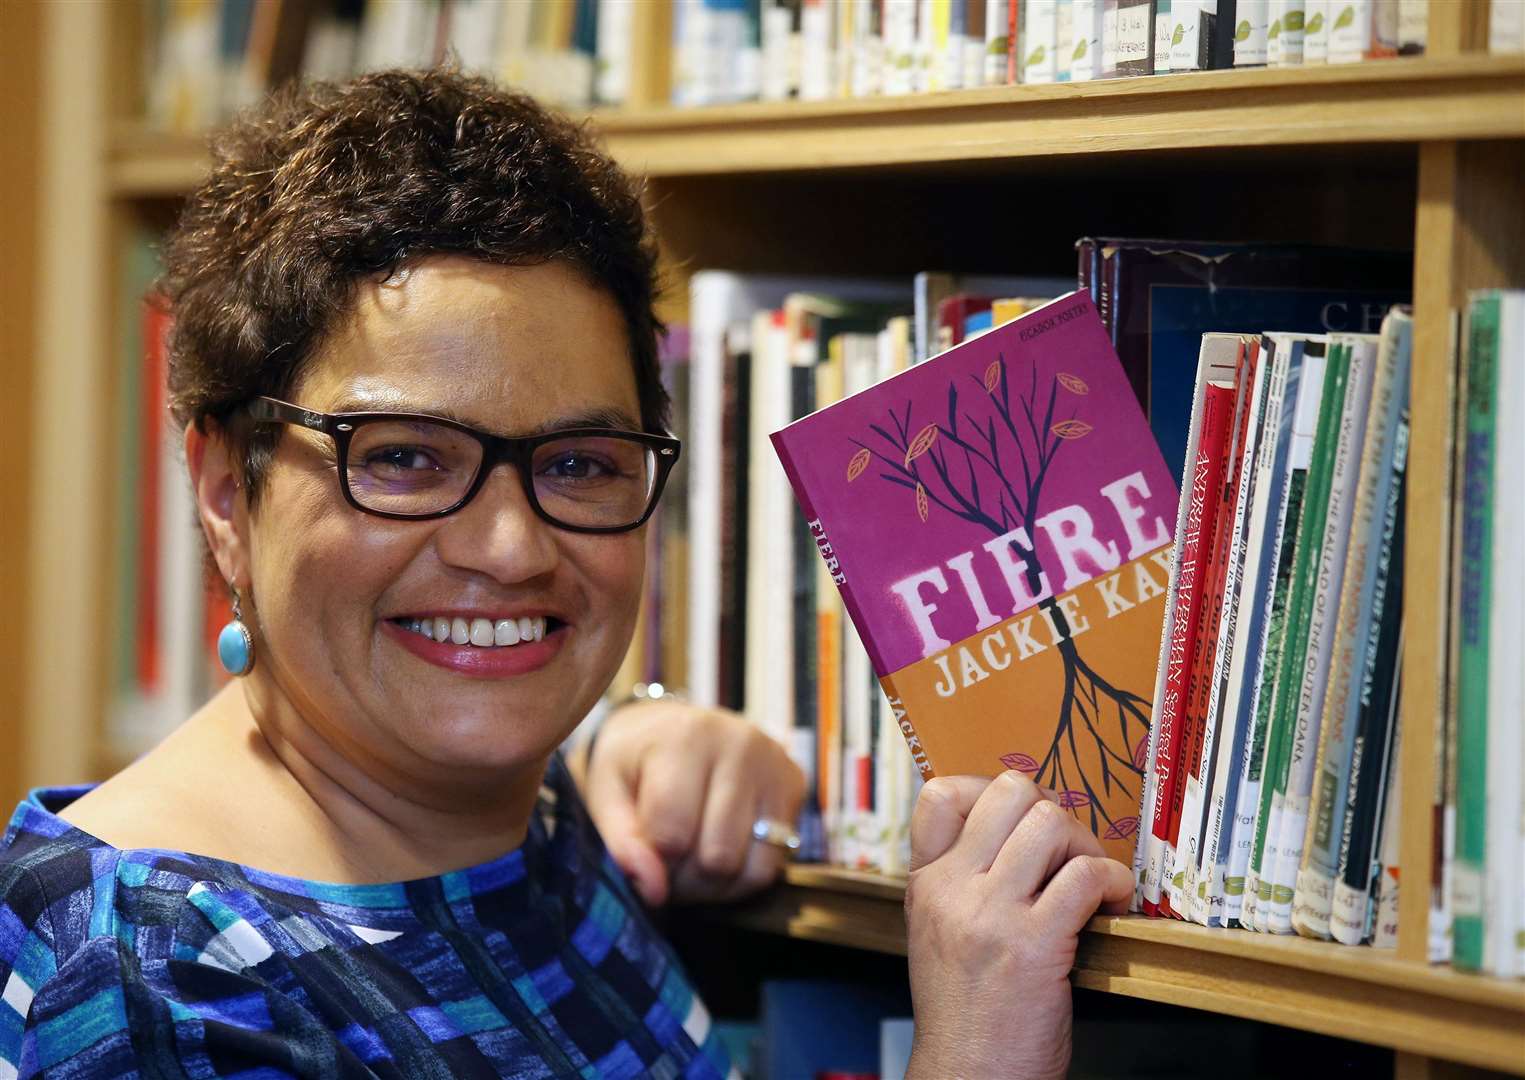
(1425, 151)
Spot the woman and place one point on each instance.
(414, 358)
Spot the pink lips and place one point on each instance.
(478, 663)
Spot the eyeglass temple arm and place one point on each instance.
(268, 409)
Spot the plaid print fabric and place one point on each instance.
(163, 964)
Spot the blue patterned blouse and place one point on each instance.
(163, 964)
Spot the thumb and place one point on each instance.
(614, 813)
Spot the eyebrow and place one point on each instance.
(596, 417)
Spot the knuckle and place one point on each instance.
(720, 859)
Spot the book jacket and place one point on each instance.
(998, 520)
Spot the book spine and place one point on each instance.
(1350, 30)
(1217, 410)
(1316, 32)
(1250, 41)
(1275, 893)
(1506, 27)
(1350, 900)
(1316, 371)
(1413, 26)
(1109, 38)
(1467, 874)
(1322, 618)
(1210, 639)
(1040, 42)
(1135, 37)
(1222, 779)
(1445, 799)
(1357, 609)
(1385, 870)
(1286, 33)
(1162, 12)
(1085, 59)
(1249, 655)
(1503, 884)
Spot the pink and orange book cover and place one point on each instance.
(998, 520)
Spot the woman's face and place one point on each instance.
(509, 350)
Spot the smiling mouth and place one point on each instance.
(482, 633)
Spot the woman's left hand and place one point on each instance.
(675, 790)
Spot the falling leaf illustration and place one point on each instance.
(1071, 429)
(1080, 49)
(1347, 17)
(1180, 34)
(857, 464)
(1141, 753)
(1036, 57)
(1072, 799)
(921, 444)
(1295, 21)
(1275, 31)
(1316, 23)
(1023, 763)
(921, 502)
(1121, 829)
(1073, 383)
(1242, 31)
(992, 376)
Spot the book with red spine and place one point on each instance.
(1186, 831)
(1195, 525)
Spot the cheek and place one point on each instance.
(613, 567)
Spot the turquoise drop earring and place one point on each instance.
(235, 645)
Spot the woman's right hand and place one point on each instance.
(1002, 880)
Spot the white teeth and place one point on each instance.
(424, 627)
(505, 632)
(441, 629)
(460, 631)
(526, 628)
(540, 628)
(481, 632)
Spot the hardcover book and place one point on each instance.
(998, 521)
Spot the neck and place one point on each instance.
(367, 815)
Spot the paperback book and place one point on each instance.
(998, 521)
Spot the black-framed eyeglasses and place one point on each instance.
(413, 465)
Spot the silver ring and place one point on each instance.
(778, 833)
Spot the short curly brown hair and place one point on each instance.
(324, 184)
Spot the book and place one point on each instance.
(1360, 604)
(1322, 614)
(1162, 28)
(1468, 880)
(1305, 424)
(1284, 358)
(1158, 297)
(1085, 46)
(1286, 35)
(1506, 27)
(1208, 429)
(1030, 536)
(1316, 31)
(1135, 37)
(1250, 42)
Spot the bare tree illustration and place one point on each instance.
(986, 463)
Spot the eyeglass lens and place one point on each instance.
(418, 468)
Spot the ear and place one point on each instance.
(217, 483)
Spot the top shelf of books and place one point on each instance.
(1403, 100)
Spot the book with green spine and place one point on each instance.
(1310, 536)
(1472, 683)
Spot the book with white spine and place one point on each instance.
(1040, 40)
(1286, 34)
(1353, 630)
(1506, 27)
(1413, 26)
(1314, 674)
(1283, 358)
(1316, 31)
(1207, 902)
(1085, 41)
(1250, 43)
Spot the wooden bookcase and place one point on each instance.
(1427, 152)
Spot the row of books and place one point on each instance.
(165, 611)
(814, 49)
(210, 57)
(1477, 881)
(1271, 775)
(742, 613)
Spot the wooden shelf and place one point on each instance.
(1404, 100)
(1359, 993)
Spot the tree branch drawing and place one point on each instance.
(986, 463)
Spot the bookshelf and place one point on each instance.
(1425, 151)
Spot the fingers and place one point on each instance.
(1084, 885)
(941, 809)
(1000, 810)
(1043, 841)
(670, 801)
(613, 808)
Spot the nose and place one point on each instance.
(499, 534)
